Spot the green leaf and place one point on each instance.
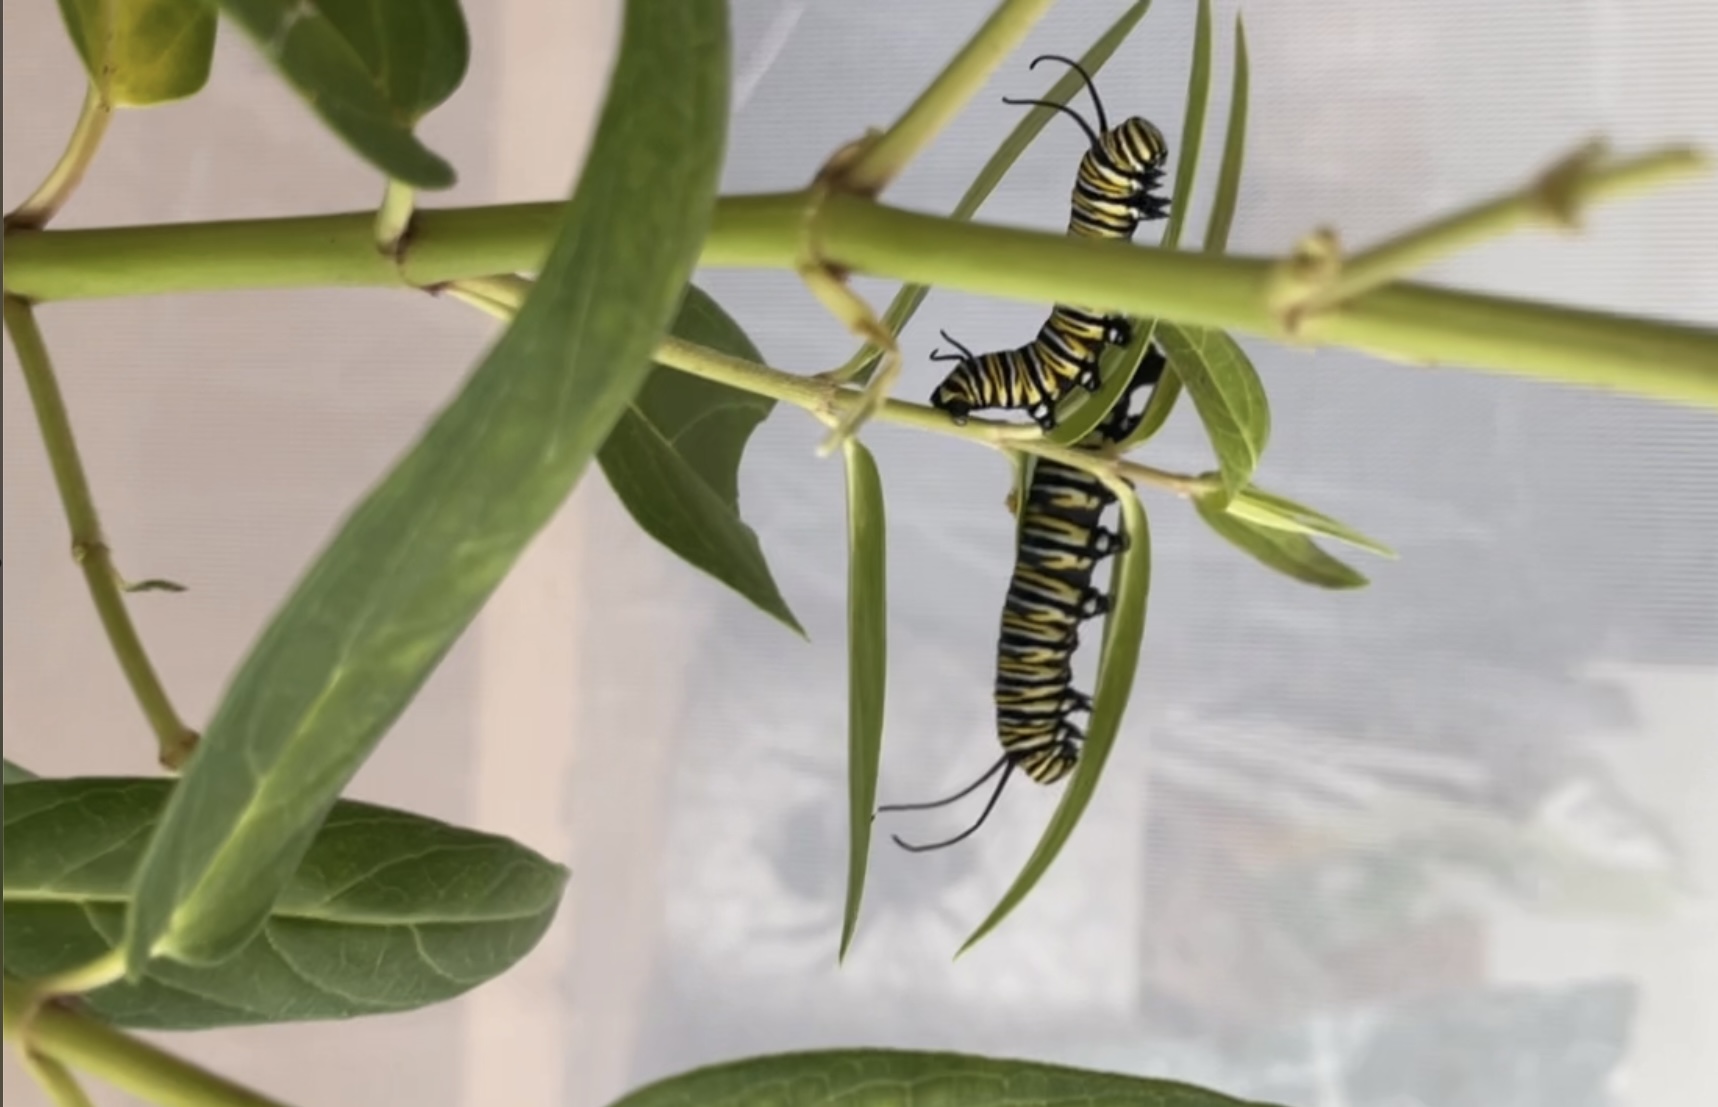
(1081, 413)
(16, 773)
(1228, 394)
(907, 300)
(1255, 505)
(1234, 146)
(369, 68)
(902, 1078)
(1192, 126)
(674, 460)
(867, 664)
(417, 558)
(1287, 552)
(1157, 409)
(388, 911)
(1124, 629)
(143, 52)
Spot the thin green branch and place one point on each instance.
(394, 218)
(69, 171)
(881, 160)
(1556, 196)
(57, 1080)
(71, 1038)
(89, 548)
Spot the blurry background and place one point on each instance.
(1448, 841)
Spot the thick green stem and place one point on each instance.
(879, 162)
(57, 1080)
(1402, 321)
(68, 172)
(89, 548)
(70, 1038)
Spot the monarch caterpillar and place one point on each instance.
(1113, 194)
(1049, 596)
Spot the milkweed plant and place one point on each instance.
(177, 902)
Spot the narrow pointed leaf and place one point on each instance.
(388, 911)
(370, 69)
(903, 1078)
(1234, 148)
(1286, 551)
(674, 460)
(1081, 413)
(1192, 126)
(1255, 505)
(17, 773)
(1157, 409)
(143, 52)
(907, 300)
(1228, 394)
(415, 561)
(867, 665)
(1124, 630)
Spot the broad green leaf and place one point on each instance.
(388, 911)
(1286, 551)
(907, 300)
(867, 664)
(1228, 394)
(1192, 126)
(16, 773)
(1124, 629)
(1255, 505)
(1234, 146)
(902, 1078)
(415, 561)
(369, 68)
(143, 52)
(674, 460)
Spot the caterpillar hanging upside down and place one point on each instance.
(1114, 192)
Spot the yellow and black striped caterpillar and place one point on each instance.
(1061, 542)
(1114, 191)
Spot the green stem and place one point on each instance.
(1401, 321)
(70, 1038)
(57, 1080)
(880, 161)
(68, 172)
(1555, 196)
(394, 218)
(89, 548)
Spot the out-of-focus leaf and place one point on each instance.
(1255, 505)
(143, 52)
(674, 460)
(415, 561)
(370, 68)
(1228, 394)
(907, 300)
(867, 665)
(388, 911)
(1234, 146)
(1124, 630)
(16, 773)
(1286, 551)
(899, 1078)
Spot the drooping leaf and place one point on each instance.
(1081, 413)
(674, 460)
(1157, 409)
(867, 665)
(902, 1078)
(1234, 147)
(143, 52)
(1228, 394)
(388, 911)
(1255, 505)
(1286, 551)
(421, 553)
(17, 773)
(907, 300)
(370, 68)
(1118, 662)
